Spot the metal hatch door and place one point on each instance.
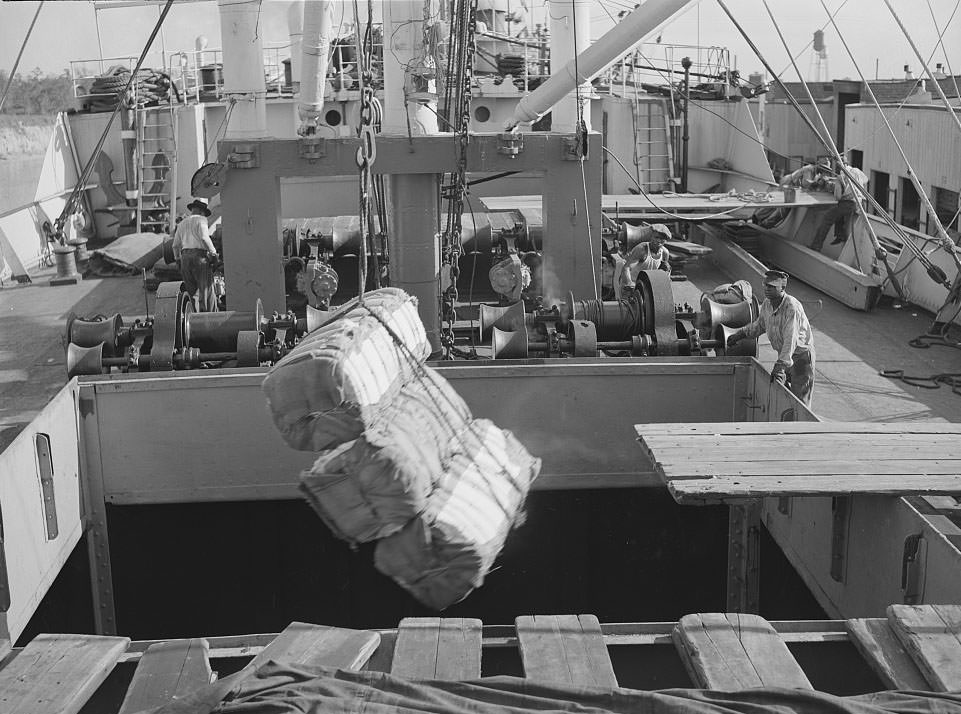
(39, 510)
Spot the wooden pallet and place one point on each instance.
(917, 647)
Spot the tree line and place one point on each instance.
(37, 92)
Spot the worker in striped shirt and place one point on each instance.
(782, 317)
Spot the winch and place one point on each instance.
(646, 322)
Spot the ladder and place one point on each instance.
(157, 168)
(653, 149)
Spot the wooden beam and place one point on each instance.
(565, 649)
(932, 635)
(794, 427)
(438, 648)
(884, 653)
(57, 674)
(731, 651)
(318, 645)
(167, 670)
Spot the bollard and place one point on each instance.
(66, 262)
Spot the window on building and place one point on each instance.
(880, 184)
(857, 158)
(946, 205)
(909, 214)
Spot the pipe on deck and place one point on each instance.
(595, 59)
(318, 25)
(570, 22)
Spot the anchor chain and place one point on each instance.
(456, 189)
(367, 151)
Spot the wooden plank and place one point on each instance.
(705, 466)
(318, 645)
(57, 674)
(165, 671)
(438, 648)
(795, 427)
(885, 654)
(932, 635)
(732, 651)
(737, 487)
(564, 649)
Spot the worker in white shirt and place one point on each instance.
(196, 253)
(841, 215)
(782, 317)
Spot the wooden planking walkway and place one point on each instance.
(932, 634)
(731, 651)
(57, 674)
(318, 645)
(885, 654)
(165, 671)
(565, 649)
(709, 463)
(438, 648)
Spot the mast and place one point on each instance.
(243, 58)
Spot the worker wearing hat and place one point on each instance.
(196, 252)
(782, 317)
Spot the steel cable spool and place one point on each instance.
(218, 331)
(509, 344)
(84, 360)
(658, 309)
(171, 311)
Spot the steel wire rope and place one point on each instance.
(947, 60)
(830, 144)
(706, 217)
(16, 62)
(924, 64)
(420, 370)
(946, 243)
(917, 82)
(85, 174)
(807, 120)
(582, 139)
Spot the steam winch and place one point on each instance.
(175, 337)
(646, 322)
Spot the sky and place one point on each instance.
(67, 30)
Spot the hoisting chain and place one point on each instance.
(457, 188)
(367, 151)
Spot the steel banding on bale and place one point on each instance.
(446, 551)
(370, 487)
(326, 390)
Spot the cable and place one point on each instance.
(16, 62)
(70, 203)
(954, 80)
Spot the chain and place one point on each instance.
(457, 188)
(367, 151)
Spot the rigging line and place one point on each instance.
(811, 42)
(16, 62)
(810, 124)
(954, 80)
(918, 81)
(121, 100)
(702, 217)
(937, 85)
(581, 129)
(830, 143)
(703, 106)
(946, 241)
(842, 167)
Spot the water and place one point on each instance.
(18, 180)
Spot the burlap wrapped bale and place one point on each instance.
(446, 551)
(369, 488)
(334, 381)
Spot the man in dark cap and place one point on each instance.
(196, 252)
(783, 318)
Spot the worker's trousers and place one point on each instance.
(838, 216)
(198, 279)
(800, 376)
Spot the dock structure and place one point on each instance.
(914, 648)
